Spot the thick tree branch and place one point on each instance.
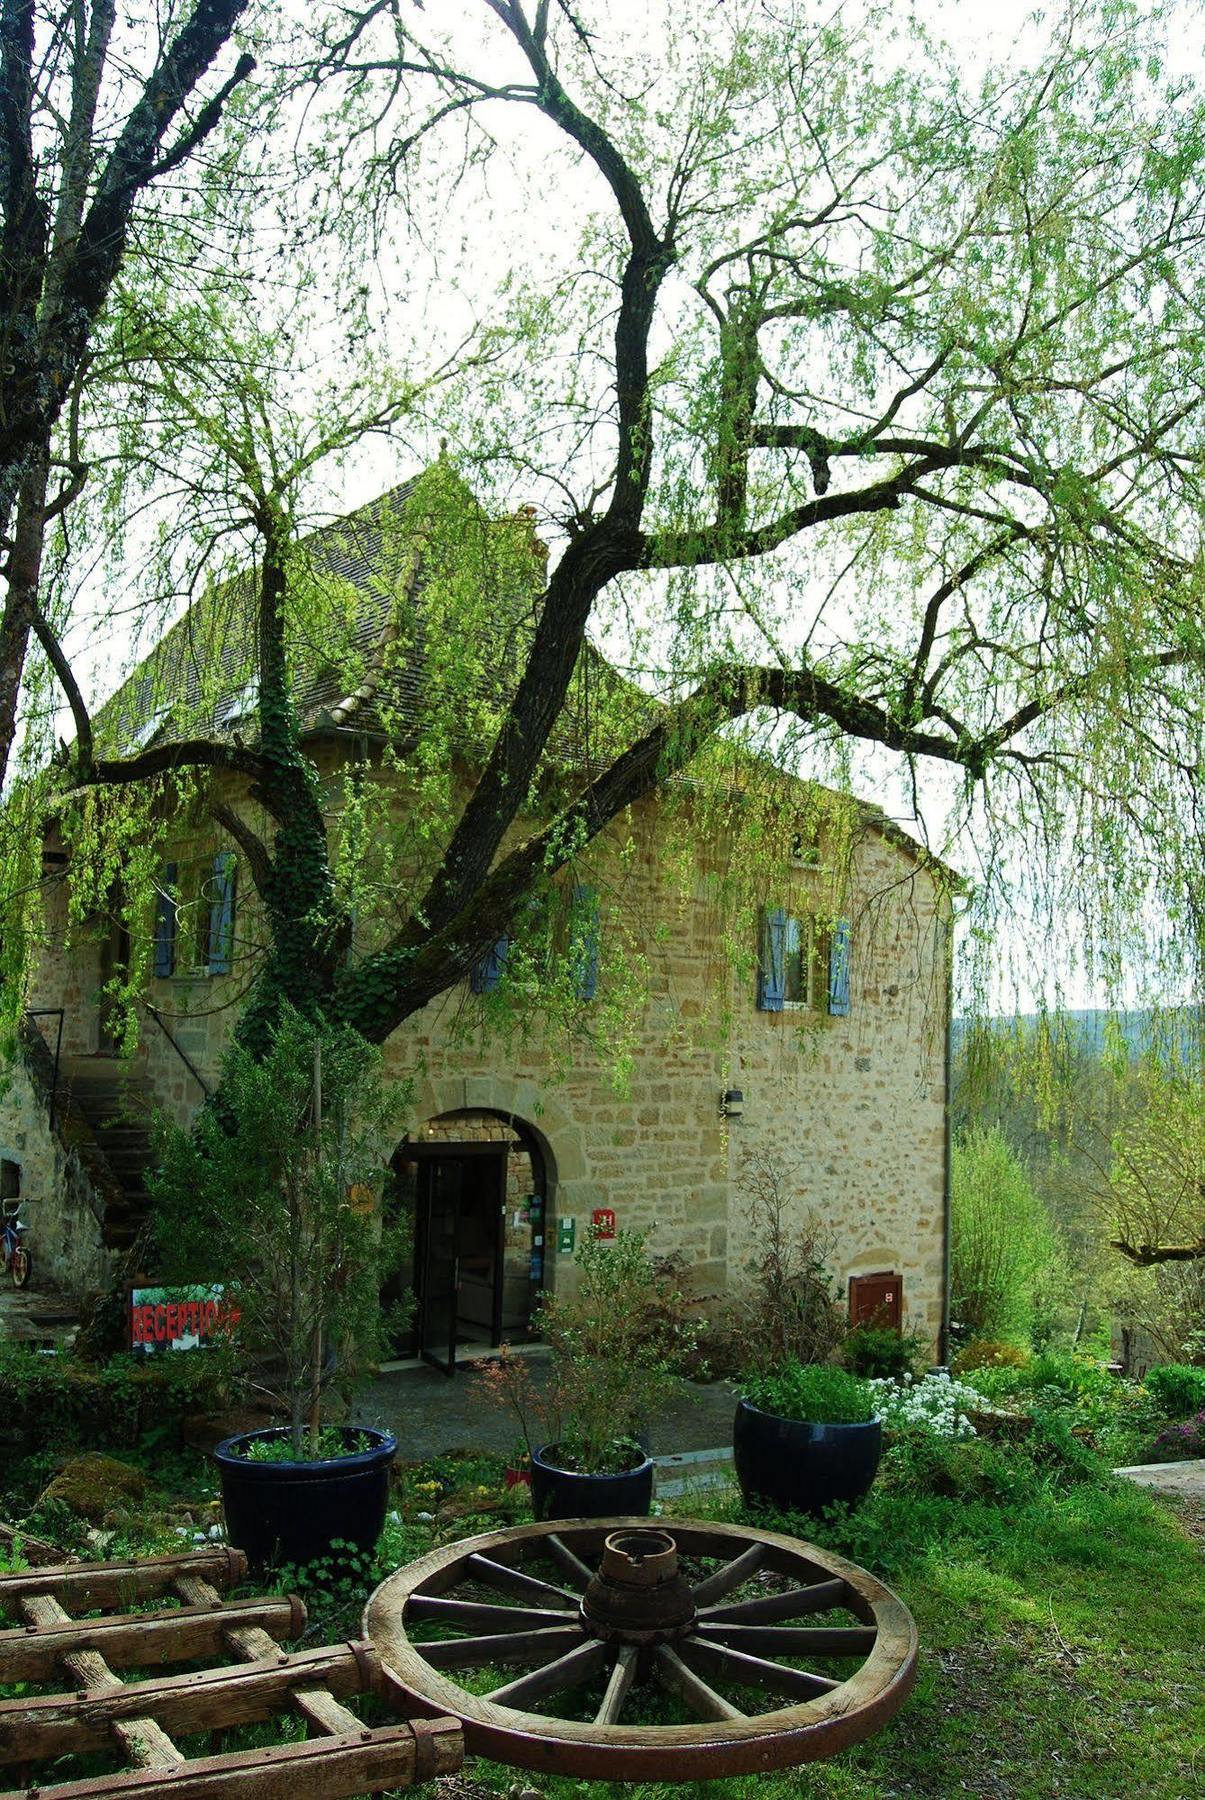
(252, 846)
(1147, 1256)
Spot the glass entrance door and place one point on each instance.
(440, 1188)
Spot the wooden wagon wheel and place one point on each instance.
(608, 1620)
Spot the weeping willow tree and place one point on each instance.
(859, 400)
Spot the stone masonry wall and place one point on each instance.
(852, 1108)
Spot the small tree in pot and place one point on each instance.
(617, 1342)
(274, 1196)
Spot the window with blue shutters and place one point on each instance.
(485, 975)
(584, 942)
(772, 961)
(165, 921)
(221, 914)
(838, 969)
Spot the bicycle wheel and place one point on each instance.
(21, 1266)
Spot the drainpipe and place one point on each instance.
(943, 1339)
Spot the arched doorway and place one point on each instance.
(474, 1185)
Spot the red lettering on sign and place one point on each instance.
(160, 1323)
(136, 1325)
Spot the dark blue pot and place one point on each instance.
(292, 1512)
(799, 1466)
(566, 1494)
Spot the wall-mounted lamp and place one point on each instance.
(732, 1104)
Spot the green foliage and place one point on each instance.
(878, 1350)
(988, 1353)
(323, 1445)
(258, 1196)
(617, 1342)
(1005, 1252)
(1178, 1387)
(60, 1401)
(811, 1391)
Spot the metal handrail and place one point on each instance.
(179, 1050)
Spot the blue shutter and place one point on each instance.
(485, 975)
(838, 969)
(221, 914)
(584, 941)
(772, 962)
(165, 921)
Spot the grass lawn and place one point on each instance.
(1062, 1629)
(1062, 1653)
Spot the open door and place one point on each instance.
(440, 1188)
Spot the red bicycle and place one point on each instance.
(16, 1257)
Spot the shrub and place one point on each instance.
(812, 1391)
(1184, 1440)
(882, 1351)
(1178, 1387)
(990, 1353)
(1006, 1255)
(62, 1402)
(786, 1311)
(617, 1342)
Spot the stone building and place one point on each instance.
(823, 1049)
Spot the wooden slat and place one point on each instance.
(37, 1553)
(756, 1671)
(140, 1640)
(714, 1587)
(554, 1677)
(514, 1581)
(792, 1640)
(569, 1563)
(316, 1706)
(796, 1603)
(322, 1768)
(701, 1699)
(139, 1737)
(477, 1614)
(481, 1652)
(55, 1725)
(81, 1587)
(617, 1686)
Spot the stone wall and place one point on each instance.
(56, 1195)
(851, 1108)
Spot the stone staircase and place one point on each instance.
(111, 1100)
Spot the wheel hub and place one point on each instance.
(639, 1595)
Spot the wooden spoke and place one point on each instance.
(690, 1687)
(821, 1596)
(755, 1671)
(793, 1640)
(517, 1646)
(554, 1677)
(699, 1642)
(479, 1615)
(570, 1565)
(514, 1581)
(714, 1587)
(620, 1681)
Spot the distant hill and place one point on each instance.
(1092, 1025)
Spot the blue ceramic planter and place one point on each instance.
(799, 1466)
(566, 1494)
(292, 1512)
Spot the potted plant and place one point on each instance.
(266, 1197)
(806, 1436)
(617, 1342)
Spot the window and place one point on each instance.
(238, 705)
(194, 917)
(10, 1179)
(799, 965)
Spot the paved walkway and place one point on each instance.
(430, 1413)
(1186, 1480)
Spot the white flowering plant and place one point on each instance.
(936, 1405)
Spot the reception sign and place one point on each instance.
(179, 1318)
